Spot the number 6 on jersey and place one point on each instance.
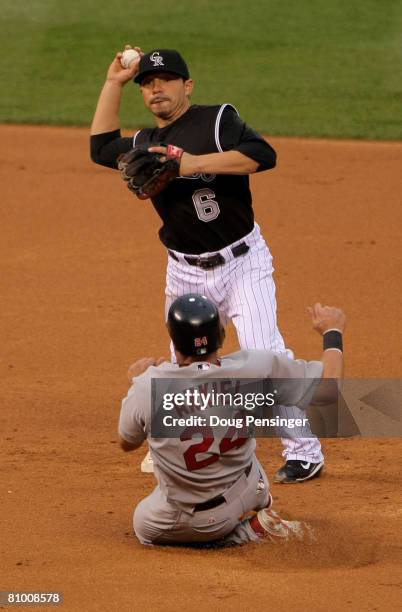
(206, 207)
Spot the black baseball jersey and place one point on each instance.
(203, 212)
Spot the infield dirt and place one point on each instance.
(82, 292)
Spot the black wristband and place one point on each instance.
(332, 339)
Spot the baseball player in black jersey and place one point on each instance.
(214, 246)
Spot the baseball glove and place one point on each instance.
(147, 173)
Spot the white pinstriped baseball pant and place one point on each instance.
(243, 289)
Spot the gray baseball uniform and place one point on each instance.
(174, 512)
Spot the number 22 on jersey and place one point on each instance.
(233, 438)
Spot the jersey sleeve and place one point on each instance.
(106, 148)
(236, 135)
(145, 135)
(132, 426)
(296, 380)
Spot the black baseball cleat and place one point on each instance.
(298, 471)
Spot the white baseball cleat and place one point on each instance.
(268, 524)
(147, 464)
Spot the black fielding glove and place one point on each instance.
(147, 173)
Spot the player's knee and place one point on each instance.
(141, 525)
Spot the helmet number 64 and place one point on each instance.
(206, 207)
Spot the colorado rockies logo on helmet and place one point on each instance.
(156, 59)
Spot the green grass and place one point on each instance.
(327, 68)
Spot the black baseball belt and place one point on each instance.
(212, 261)
(219, 499)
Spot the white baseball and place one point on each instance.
(129, 55)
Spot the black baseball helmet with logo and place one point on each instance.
(194, 325)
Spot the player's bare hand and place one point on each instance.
(161, 150)
(122, 75)
(327, 317)
(139, 367)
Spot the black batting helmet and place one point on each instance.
(194, 325)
